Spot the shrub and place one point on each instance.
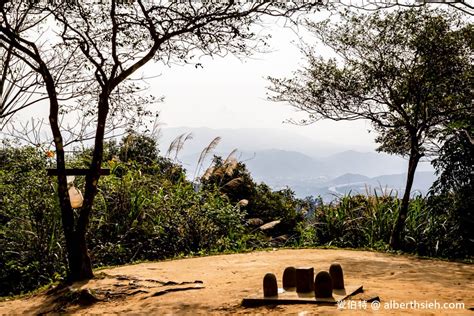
(233, 180)
(150, 211)
(364, 221)
(30, 222)
(138, 215)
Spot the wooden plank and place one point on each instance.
(290, 297)
(77, 172)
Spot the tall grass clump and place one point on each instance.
(365, 221)
(434, 228)
(359, 221)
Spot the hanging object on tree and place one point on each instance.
(70, 179)
(75, 196)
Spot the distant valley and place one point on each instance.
(334, 171)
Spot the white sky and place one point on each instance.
(231, 93)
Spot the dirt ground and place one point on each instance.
(217, 285)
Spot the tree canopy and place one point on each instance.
(407, 72)
(98, 47)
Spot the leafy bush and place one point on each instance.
(147, 211)
(140, 216)
(30, 222)
(452, 193)
(366, 221)
(233, 180)
(141, 213)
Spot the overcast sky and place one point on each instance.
(228, 92)
(231, 93)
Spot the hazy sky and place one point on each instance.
(231, 93)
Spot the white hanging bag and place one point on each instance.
(75, 196)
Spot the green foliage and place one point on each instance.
(233, 179)
(455, 186)
(141, 217)
(406, 71)
(455, 162)
(365, 222)
(30, 222)
(139, 148)
(352, 221)
(276, 205)
(230, 177)
(143, 213)
(452, 214)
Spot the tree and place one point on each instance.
(140, 148)
(101, 46)
(455, 161)
(20, 86)
(455, 169)
(462, 5)
(407, 72)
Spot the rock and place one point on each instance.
(323, 285)
(244, 202)
(270, 287)
(280, 239)
(254, 222)
(269, 225)
(335, 270)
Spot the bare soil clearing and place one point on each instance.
(217, 284)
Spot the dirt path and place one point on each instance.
(226, 279)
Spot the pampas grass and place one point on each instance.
(177, 145)
(233, 183)
(227, 168)
(205, 152)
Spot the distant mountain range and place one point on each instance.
(359, 184)
(250, 139)
(333, 171)
(342, 173)
(283, 164)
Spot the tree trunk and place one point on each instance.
(80, 267)
(396, 236)
(79, 260)
(79, 263)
